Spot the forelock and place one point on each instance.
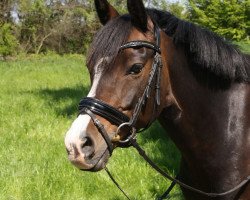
(107, 41)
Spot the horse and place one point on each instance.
(149, 65)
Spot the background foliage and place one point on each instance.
(67, 26)
(228, 18)
(8, 42)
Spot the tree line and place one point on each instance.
(67, 26)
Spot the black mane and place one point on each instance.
(205, 50)
(209, 56)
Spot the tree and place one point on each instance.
(228, 18)
(8, 42)
(36, 24)
(61, 26)
(5, 11)
(175, 8)
(178, 10)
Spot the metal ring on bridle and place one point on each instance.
(127, 140)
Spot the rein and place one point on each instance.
(176, 181)
(93, 107)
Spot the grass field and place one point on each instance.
(38, 102)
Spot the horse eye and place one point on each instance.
(136, 68)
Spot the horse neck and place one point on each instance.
(213, 123)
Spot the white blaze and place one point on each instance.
(78, 129)
(97, 76)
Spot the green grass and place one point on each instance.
(38, 102)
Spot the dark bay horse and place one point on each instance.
(150, 65)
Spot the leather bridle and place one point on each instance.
(93, 107)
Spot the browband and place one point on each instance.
(139, 44)
(104, 110)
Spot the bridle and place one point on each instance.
(92, 107)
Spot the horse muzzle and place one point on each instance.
(84, 151)
(84, 156)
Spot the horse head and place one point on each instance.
(126, 63)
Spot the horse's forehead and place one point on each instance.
(100, 64)
(138, 35)
(104, 62)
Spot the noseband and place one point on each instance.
(93, 106)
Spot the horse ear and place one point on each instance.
(138, 14)
(105, 11)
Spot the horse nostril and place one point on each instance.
(68, 151)
(87, 148)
